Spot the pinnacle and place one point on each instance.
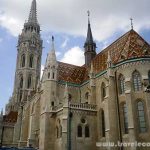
(33, 13)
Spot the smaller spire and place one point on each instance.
(131, 23)
(51, 58)
(89, 38)
(33, 13)
(109, 61)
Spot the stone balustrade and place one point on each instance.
(80, 106)
(83, 106)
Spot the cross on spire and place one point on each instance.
(88, 12)
(131, 22)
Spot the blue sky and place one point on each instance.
(67, 21)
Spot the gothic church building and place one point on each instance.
(74, 107)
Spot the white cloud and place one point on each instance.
(74, 56)
(11, 23)
(107, 16)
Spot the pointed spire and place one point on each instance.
(89, 38)
(89, 45)
(109, 61)
(51, 58)
(33, 13)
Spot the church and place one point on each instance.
(107, 100)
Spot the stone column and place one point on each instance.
(24, 128)
(17, 128)
(47, 130)
(147, 98)
(130, 104)
(31, 137)
(111, 117)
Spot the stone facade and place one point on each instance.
(75, 107)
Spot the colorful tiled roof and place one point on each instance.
(130, 45)
(71, 73)
(11, 117)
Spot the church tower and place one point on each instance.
(90, 45)
(28, 64)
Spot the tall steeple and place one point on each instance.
(28, 58)
(90, 45)
(33, 13)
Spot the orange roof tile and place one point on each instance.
(130, 45)
(71, 73)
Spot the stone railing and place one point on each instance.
(80, 106)
(83, 106)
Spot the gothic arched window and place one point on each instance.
(141, 117)
(137, 81)
(121, 84)
(57, 132)
(31, 61)
(29, 84)
(87, 131)
(79, 131)
(103, 123)
(23, 59)
(86, 97)
(60, 128)
(125, 118)
(48, 75)
(20, 96)
(103, 91)
(149, 76)
(21, 82)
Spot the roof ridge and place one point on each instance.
(105, 49)
(70, 64)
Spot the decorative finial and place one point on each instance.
(53, 47)
(88, 12)
(52, 38)
(131, 22)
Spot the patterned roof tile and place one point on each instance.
(130, 45)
